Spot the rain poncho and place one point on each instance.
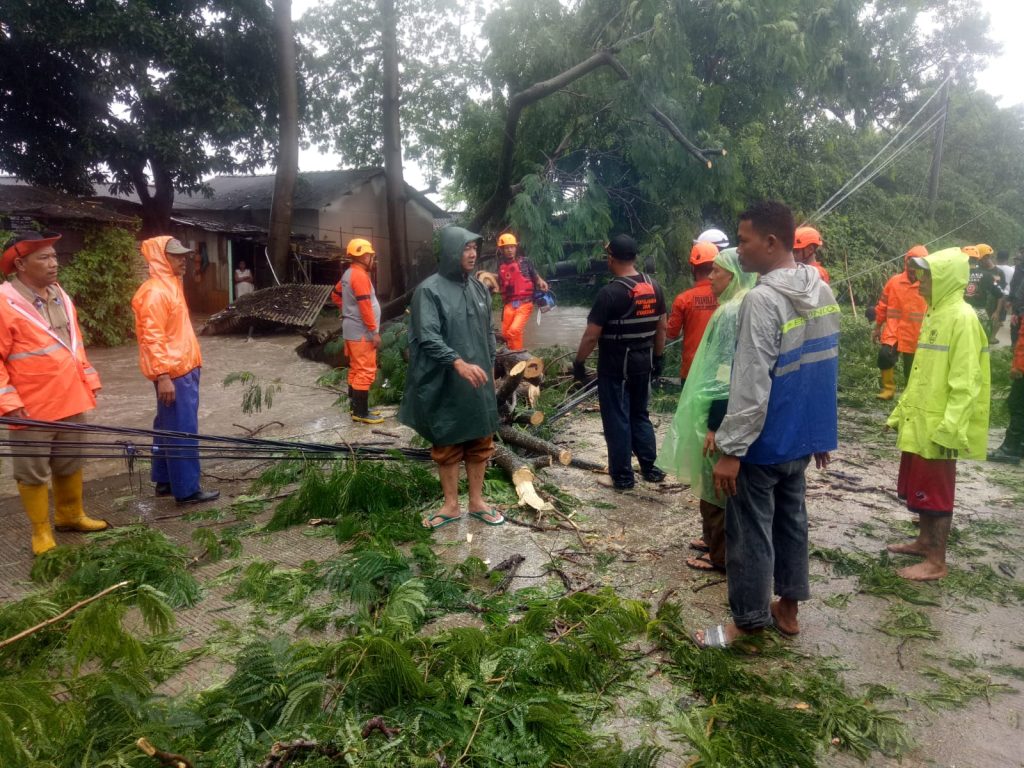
(450, 318)
(946, 403)
(681, 453)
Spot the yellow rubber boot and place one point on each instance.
(68, 514)
(36, 500)
(888, 384)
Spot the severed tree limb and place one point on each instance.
(503, 191)
(508, 387)
(61, 616)
(284, 752)
(529, 418)
(167, 759)
(522, 478)
(377, 724)
(534, 444)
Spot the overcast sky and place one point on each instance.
(1002, 78)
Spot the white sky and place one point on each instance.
(1002, 78)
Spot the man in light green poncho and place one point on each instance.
(689, 448)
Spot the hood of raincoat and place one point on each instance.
(154, 254)
(453, 240)
(741, 282)
(950, 270)
(799, 285)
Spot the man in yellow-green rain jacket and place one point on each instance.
(943, 414)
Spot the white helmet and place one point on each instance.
(716, 236)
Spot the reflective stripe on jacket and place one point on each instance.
(782, 392)
(167, 343)
(946, 403)
(900, 312)
(360, 310)
(38, 370)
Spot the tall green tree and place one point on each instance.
(143, 95)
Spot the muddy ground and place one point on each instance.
(636, 543)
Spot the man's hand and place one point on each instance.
(579, 372)
(726, 471)
(876, 335)
(474, 374)
(947, 453)
(165, 390)
(822, 460)
(375, 340)
(542, 284)
(17, 413)
(657, 366)
(1016, 374)
(710, 447)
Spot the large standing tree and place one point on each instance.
(144, 95)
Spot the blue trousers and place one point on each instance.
(766, 540)
(175, 460)
(627, 425)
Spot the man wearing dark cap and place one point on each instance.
(627, 325)
(45, 376)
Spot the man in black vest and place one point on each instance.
(627, 324)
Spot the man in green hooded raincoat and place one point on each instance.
(449, 388)
(943, 414)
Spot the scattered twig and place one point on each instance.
(509, 567)
(256, 430)
(664, 598)
(385, 433)
(711, 583)
(377, 724)
(282, 753)
(566, 581)
(63, 615)
(168, 759)
(899, 651)
(318, 521)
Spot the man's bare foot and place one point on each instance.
(784, 613)
(910, 548)
(926, 571)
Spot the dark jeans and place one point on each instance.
(627, 425)
(1014, 440)
(766, 539)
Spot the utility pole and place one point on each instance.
(940, 133)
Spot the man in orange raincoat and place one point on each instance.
(518, 280)
(806, 243)
(360, 327)
(169, 357)
(898, 317)
(693, 308)
(44, 375)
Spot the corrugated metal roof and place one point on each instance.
(292, 304)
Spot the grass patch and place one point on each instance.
(904, 622)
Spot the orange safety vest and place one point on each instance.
(167, 343)
(900, 312)
(40, 372)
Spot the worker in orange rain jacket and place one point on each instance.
(693, 308)
(44, 375)
(898, 317)
(169, 357)
(805, 249)
(360, 327)
(518, 280)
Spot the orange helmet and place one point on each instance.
(357, 248)
(984, 249)
(507, 239)
(806, 236)
(971, 251)
(703, 253)
(917, 252)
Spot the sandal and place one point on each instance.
(714, 637)
(699, 545)
(489, 516)
(703, 563)
(441, 518)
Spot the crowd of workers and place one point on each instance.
(759, 328)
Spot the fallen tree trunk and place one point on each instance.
(511, 382)
(534, 444)
(506, 360)
(522, 478)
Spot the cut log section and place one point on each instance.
(590, 466)
(522, 478)
(529, 418)
(534, 444)
(508, 386)
(505, 360)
